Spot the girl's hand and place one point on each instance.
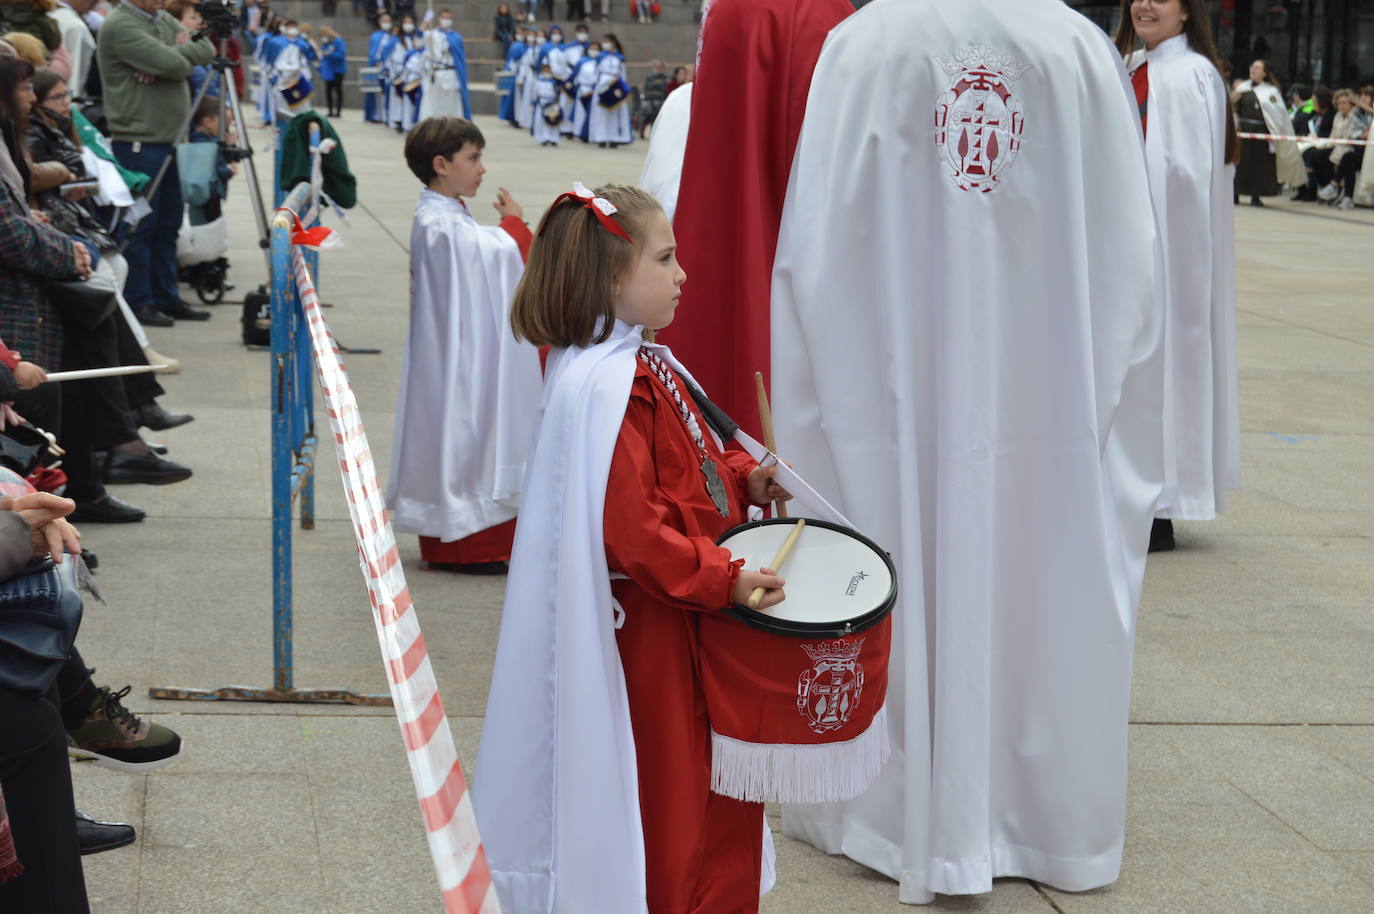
(505, 204)
(748, 580)
(762, 488)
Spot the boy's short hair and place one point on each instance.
(208, 107)
(567, 294)
(438, 136)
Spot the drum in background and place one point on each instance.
(796, 693)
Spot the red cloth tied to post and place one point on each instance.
(317, 237)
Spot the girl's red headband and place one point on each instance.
(601, 208)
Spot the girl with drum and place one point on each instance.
(594, 783)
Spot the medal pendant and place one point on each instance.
(715, 487)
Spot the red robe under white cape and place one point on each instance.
(568, 825)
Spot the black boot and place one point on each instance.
(1162, 535)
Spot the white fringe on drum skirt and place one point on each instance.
(799, 773)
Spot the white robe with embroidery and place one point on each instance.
(1192, 189)
(667, 146)
(971, 372)
(465, 414)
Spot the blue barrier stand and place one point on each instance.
(294, 445)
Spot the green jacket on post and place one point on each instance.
(129, 42)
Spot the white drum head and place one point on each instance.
(832, 575)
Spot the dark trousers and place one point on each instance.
(38, 796)
(577, 10)
(333, 95)
(1349, 170)
(152, 252)
(46, 407)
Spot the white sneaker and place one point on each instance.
(1329, 192)
(1345, 203)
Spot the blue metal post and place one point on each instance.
(283, 445)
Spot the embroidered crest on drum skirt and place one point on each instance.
(978, 121)
(829, 691)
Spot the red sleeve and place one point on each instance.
(643, 541)
(8, 358)
(741, 464)
(517, 229)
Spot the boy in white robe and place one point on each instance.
(469, 390)
(548, 112)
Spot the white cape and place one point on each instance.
(1287, 156)
(667, 146)
(1192, 191)
(469, 390)
(1364, 187)
(556, 789)
(986, 405)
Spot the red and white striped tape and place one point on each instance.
(1324, 142)
(459, 860)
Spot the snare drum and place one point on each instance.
(796, 692)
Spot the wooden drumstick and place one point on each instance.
(766, 417)
(756, 597)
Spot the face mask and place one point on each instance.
(593, 52)
(557, 39)
(384, 26)
(408, 27)
(292, 33)
(538, 39)
(445, 23)
(582, 36)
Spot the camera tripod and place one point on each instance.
(228, 100)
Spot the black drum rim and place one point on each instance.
(791, 628)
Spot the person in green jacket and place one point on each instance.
(145, 58)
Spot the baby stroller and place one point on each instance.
(203, 240)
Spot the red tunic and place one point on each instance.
(703, 852)
(494, 543)
(757, 57)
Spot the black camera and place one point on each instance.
(221, 17)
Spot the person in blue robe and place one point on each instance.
(517, 51)
(374, 103)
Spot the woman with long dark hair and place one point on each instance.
(1190, 148)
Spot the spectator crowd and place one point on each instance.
(1327, 160)
(94, 101)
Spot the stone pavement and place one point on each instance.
(1252, 745)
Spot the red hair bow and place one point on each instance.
(601, 208)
